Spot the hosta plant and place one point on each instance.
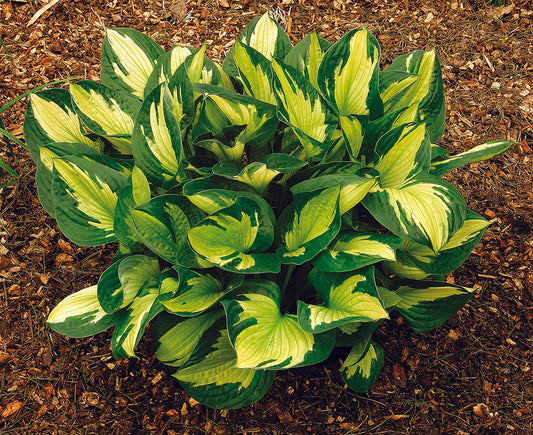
(265, 210)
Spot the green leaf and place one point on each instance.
(348, 75)
(427, 211)
(80, 315)
(175, 346)
(263, 337)
(236, 237)
(128, 59)
(163, 222)
(362, 365)
(308, 225)
(477, 154)
(85, 198)
(425, 95)
(197, 292)
(427, 304)
(301, 106)
(156, 140)
(50, 117)
(135, 192)
(212, 377)
(354, 250)
(348, 297)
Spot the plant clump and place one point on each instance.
(266, 210)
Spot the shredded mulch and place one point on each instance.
(473, 374)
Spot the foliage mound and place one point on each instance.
(266, 210)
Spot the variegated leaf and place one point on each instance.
(120, 283)
(307, 55)
(166, 66)
(132, 320)
(179, 336)
(393, 84)
(156, 141)
(198, 292)
(212, 194)
(477, 154)
(427, 304)
(133, 272)
(106, 112)
(163, 222)
(362, 365)
(50, 117)
(45, 168)
(348, 75)
(301, 106)
(85, 198)
(267, 37)
(80, 315)
(308, 225)
(353, 250)
(181, 98)
(348, 297)
(448, 258)
(427, 211)
(212, 376)
(128, 59)
(402, 154)
(202, 69)
(258, 174)
(109, 288)
(265, 338)
(236, 238)
(353, 130)
(135, 192)
(234, 120)
(353, 188)
(254, 72)
(322, 169)
(425, 94)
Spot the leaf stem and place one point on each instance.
(290, 270)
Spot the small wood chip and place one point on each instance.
(41, 11)
(11, 408)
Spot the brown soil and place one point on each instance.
(471, 375)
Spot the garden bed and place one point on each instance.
(471, 375)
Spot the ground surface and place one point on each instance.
(471, 375)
